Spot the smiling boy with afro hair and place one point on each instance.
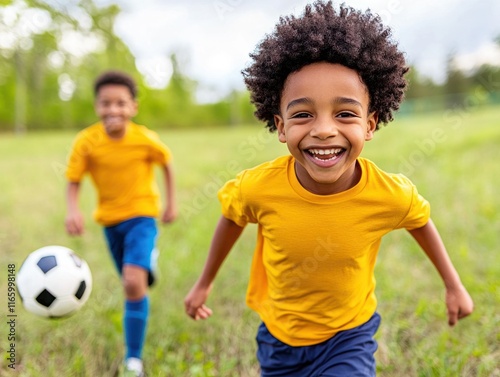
(324, 81)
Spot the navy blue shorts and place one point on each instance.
(348, 353)
(133, 242)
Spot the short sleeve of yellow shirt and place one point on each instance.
(312, 273)
(232, 204)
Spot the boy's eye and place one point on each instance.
(300, 115)
(346, 114)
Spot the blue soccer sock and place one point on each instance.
(135, 322)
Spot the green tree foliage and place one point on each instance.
(487, 77)
(51, 60)
(176, 100)
(420, 86)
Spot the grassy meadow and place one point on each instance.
(451, 156)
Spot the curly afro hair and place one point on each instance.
(116, 78)
(349, 37)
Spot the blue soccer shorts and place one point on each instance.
(349, 353)
(133, 242)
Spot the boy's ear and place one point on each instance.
(371, 125)
(280, 126)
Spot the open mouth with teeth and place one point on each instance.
(325, 154)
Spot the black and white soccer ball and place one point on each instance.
(54, 282)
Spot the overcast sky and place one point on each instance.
(214, 37)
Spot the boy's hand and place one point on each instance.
(74, 223)
(459, 304)
(169, 215)
(195, 303)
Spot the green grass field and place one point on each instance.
(453, 159)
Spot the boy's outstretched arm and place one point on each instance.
(170, 212)
(74, 218)
(226, 234)
(458, 301)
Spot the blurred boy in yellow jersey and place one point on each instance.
(324, 81)
(120, 157)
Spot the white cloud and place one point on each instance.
(488, 53)
(79, 44)
(156, 71)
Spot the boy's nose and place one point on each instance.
(324, 128)
(114, 109)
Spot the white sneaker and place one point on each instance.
(134, 367)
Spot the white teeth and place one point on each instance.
(325, 151)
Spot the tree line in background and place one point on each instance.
(50, 55)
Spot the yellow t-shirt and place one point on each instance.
(121, 170)
(312, 271)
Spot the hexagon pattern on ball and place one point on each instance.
(54, 282)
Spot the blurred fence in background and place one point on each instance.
(463, 101)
